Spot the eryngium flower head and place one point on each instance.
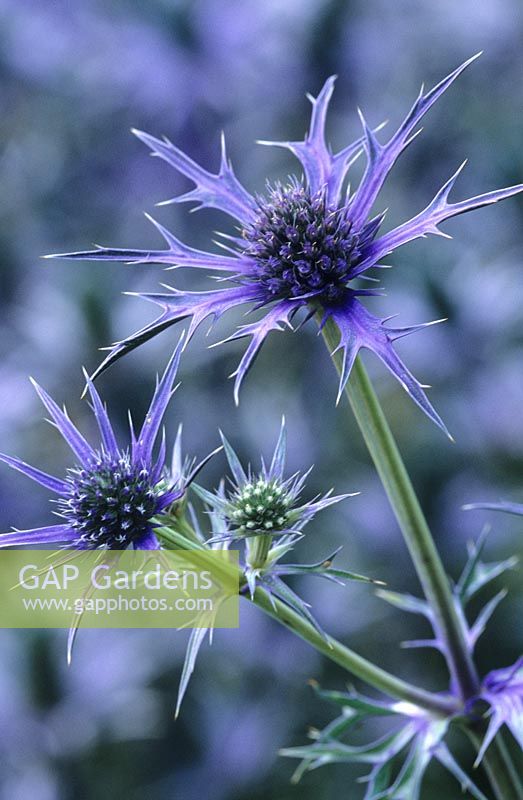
(302, 245)
(264, 503)
(109, 499)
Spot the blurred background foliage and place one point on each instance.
(74, 78)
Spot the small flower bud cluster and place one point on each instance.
(260, 506)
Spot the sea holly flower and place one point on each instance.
(257, 511)
(263, 506)
(300, 246)
(398, 760)
(111, 497)
(263, 510)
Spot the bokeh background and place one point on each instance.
(75, 76)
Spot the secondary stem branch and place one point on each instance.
(336, 651)
(397, 484)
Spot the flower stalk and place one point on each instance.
(397, 484)
(258, 550)
(355, 664)
(337, 652)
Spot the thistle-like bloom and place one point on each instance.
(264, 503)
(110, 498)
(302, 245)
(265, 511)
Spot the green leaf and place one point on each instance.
(376, 752)
(406, 602)
(193, 648)
(355, 701)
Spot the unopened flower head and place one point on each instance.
(260, 505)
(301, 246)
(110, 498)
(265, 502)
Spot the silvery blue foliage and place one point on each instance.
(399, 759)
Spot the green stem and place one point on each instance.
(397, 484)
(343, 656)
(258, 549)
(497, 761)
(387, 459)
(355, 664)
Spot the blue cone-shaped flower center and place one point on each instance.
(110, 504)
(300, 245)
(260, 506)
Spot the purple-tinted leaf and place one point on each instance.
(222, 191)
(51, 534)
(72, 436)
(428, 220)
(443, 755)
(142, 452)
(178, 254)
(49, 481)
(503, 690)
(104, 424)
(508, 508)
(483, 618)
(359, 329)
(275, 319)
(320, 165)
(177, 306)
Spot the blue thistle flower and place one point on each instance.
(265, 511)
(302, 245)
(110, 498)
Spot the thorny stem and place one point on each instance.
(355, 664)
(397, 484)
(336, 651)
